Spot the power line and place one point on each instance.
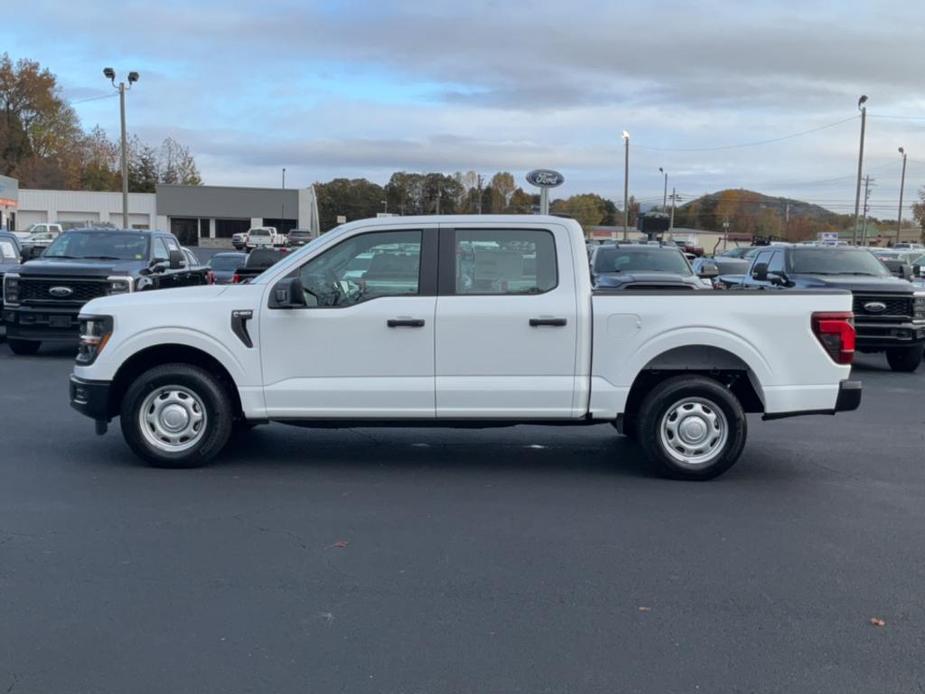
(92, 98)
(747, 144)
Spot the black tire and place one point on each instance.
(23, 347)
(207, 392)
(905, 359)
(713, 410)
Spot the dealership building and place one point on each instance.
(197, 215)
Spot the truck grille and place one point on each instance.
(865, 307)
(39, 290)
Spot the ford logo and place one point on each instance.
(875, 307)
(545, 178)
(62, 292)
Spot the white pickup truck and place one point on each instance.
(459, 321)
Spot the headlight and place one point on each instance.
(120, 284)
(11, 289)
(919, 307)
(95, 332)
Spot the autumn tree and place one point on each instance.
(353, 198)
(918, 209)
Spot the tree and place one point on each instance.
(587, 209)
(101, 166)
(178, 165)
(143, 167)
(38, 130)
(918, 209)
(503, 187)
(354, 199)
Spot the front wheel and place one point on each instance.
(176, 416)
(691, 427)
(905, 359)
(24, 347)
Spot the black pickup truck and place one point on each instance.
(888, 314)
(43, 297)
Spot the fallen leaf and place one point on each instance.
(340, 544)
(645, 609)
(877, 622)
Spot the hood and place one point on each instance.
(619, 279)
(857, 283)
(81, 268)
(175, 298)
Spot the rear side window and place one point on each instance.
(505, 261)
(777, 262)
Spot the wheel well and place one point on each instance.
(702, 360)
(141, 361)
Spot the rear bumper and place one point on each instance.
(849, 398)
(91, 398)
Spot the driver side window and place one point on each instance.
(160, 250)
(364, 267)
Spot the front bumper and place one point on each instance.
(91, 398)
(872, 337)
(52, 323)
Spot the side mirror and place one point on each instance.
(778, 278)
(760, 272)
(175, 260)
(708, 271)
(288, 293)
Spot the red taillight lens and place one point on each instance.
(835, 332)
(236, 278)
(210, 277)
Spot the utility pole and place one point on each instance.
(665, 193)
(725, 233)
(674, 197)
(787, 222)
(902, 185)
(110, 74)
(626, 184)
(282, 212)
(857, 195)
(480, 193)
(866, 209)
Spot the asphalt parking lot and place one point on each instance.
(417, 561)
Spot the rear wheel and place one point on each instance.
(176, 416)
(24, 347)
(691, 427)
(905, 359)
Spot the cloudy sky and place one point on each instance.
(363, 88)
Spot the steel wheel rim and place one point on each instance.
(172, 418)
(694, 431)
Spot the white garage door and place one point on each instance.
(135, 220)
(89, 217)
(26, 218)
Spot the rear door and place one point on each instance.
(506, 325)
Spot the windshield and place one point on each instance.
(837, 261)
(731, 266)
(259, 232)
(99, 245)
(652, 259)
(227, 263)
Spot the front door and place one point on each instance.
(506, 336)
(364, 348)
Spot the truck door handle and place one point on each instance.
(553, 322)
(405, 322)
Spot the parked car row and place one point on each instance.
(269, 237)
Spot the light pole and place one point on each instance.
(385, 206)
(902, 185)
(665, 194)
(857, 195)
(626, 184)
(110, 74)
(284, 178)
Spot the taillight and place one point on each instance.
(236, 278)
(835, 332)
(210, 277)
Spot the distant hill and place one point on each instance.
(751, 212)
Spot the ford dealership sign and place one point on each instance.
(545, 178)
